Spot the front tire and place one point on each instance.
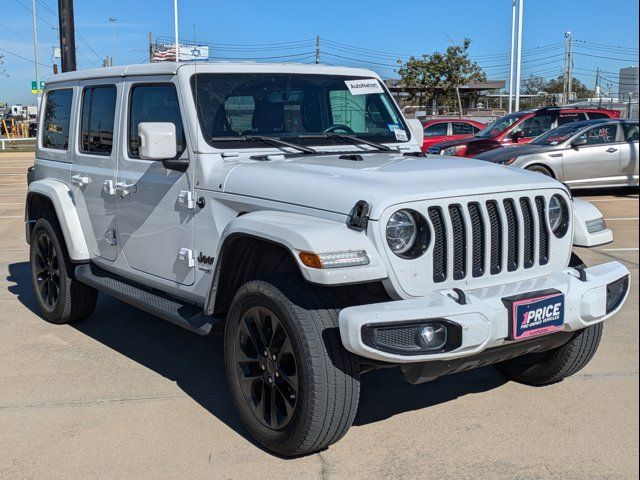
(60, 297)
(540, 169)
(539, 369)
(294, 385)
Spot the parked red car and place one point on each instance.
(519, 127)
(443, 129)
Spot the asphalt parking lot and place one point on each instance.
(125, 395)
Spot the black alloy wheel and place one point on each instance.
(267, 370)
(47, 271)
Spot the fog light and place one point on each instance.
(596, 225)
(616, 292)
(433, 336)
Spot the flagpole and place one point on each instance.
(175, 27)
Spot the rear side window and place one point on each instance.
(569, 117)
(57, 116)
(597, 115)
(461, 128)
(436, 130)
(535, 126)
(96, 123)
(153, 103)
(631, 132)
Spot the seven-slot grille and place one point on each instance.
(489, 237)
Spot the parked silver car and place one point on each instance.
(591, 153)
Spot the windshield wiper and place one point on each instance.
(352, 138)
(265, 139)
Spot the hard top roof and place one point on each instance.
(171, 68)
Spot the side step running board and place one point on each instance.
(184, 315)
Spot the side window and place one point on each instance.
(534, 126)
(600, 135)
(436, 130)
(97, 118)
(569, 117)
(153, 103)
(631, 132)
(459, 128)
(597, 115)
(57, 116)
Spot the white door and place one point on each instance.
(155, 228)
(94, 166)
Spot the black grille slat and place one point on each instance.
(529, 232)
(477, 225)
(439, 245)
(513, 235)
(543, 231)
(460, 242)
(495, 223)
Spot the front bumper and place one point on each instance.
(484, 319)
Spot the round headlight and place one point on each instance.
(558, 216)
(402, 231)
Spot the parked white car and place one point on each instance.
(291, 203)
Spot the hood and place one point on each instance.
(505, 153)
(327, 182)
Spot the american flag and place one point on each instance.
(163, 52)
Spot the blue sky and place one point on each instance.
(352, 33)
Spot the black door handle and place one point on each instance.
(612, 150)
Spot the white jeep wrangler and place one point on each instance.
(291, 204)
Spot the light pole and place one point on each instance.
(519, 61)
(513, 46)
(112, 21)
(35, 52)
(175, 27)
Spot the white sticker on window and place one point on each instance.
(401, 135)
(364, 87)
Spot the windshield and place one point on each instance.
(558, 135)
(499, 126)
(294, 106)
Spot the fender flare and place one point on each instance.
(297, 233)
(62, 200)
(584, 212)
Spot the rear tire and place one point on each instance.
(539, 369)
(60, 297)
(312, 384)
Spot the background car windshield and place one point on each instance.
(499, 126)
(288, 105)
(557, 135)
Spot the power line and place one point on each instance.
(607, 58)
(30, 60)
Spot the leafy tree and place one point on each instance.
(445, 71)
(534, 84)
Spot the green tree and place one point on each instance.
(446, 71)
(534, 84)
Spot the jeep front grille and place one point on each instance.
(489, 237)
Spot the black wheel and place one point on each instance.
(60, 297)
(294, 385)
(550, 367)
(540, 169)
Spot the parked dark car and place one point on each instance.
(591, 153)
(517, 128)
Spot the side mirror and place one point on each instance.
(515, 136)
(158, 142)
(417, 130)
(578, 142)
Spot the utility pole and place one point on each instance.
(67, 35)
(597, 88)
(513, 46)
(568, 68)
(317, 49)
(175, 28)
(35, 52)
(150, 47)
(519, 62)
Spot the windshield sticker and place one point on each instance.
(401, 135)
(364, 87)
(393, 127)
